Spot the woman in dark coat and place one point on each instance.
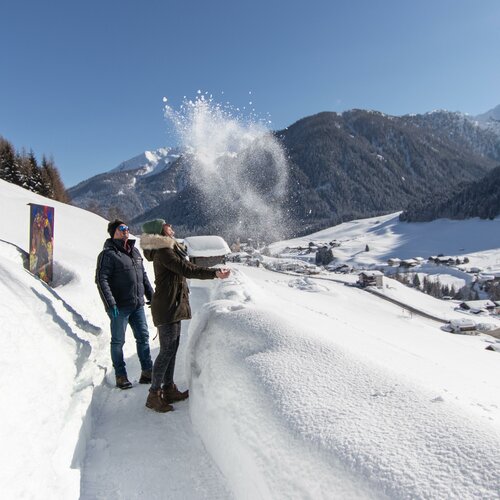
(170, 305)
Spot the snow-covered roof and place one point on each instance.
(478, 304)
(371, 274)
(206, 246)
(463, 323)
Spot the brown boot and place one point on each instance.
(145, 377)
(156, 403)
(122, 382)
(171, 394)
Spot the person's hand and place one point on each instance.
(223, 273)
(114, 312)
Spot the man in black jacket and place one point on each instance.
(122, 283)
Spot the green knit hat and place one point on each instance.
(153, 226)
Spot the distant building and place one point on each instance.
(477, 306)
(394, 262)
(371, 278)
(491, 276)
(408, 263)
(207, 250)
(462, 325)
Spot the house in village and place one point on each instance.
(394, 261)
(478, 306)
(447, 260)
(371, 278)
(207, 250)
(409, 263)
(491, 276)
(463, 325)
(338, 268)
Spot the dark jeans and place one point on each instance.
(137, 321)
(164, 366)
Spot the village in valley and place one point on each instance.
(468, 293)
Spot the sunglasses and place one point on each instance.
(123, 227)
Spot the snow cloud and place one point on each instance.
(236, 163)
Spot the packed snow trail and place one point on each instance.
(135, 453)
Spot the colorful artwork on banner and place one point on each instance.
(42, 241)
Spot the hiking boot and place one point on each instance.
(122, 382)
(156, 403)
(145, 377)
(171, 394)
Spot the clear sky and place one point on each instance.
(83, 81)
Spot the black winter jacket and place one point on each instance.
(171, 297)
(120, 276)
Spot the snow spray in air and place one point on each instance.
(237, 166)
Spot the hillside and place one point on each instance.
(344, 389)
(477, 199)
(361, 163)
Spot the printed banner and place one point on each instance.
(42, 241)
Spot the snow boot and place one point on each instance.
(171, 394)
(156, 403)
(145, 377)
(122, 382)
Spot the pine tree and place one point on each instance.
(52, 185)
(33, 180)
(9, 166)
(416, 281)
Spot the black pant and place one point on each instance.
(164, 365)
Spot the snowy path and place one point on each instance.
(134, 453)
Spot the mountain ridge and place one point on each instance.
(341, 166)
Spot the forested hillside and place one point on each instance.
(22, 168)
(477, 199)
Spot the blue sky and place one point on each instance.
(84, 81)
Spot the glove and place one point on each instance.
(114, 312)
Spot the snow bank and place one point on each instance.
(46, 384)
(288, 411)
(50, 359)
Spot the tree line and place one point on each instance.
(22, 168)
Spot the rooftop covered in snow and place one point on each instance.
(206, 246)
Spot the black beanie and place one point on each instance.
(113, 225)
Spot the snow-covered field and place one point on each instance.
(299, 388)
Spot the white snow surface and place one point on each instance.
(300, 388)
(206, 246)
(387, 237)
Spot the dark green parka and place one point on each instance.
(171, 296)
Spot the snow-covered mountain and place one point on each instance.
(299, 388)
(490, 120)
(340, 167)
(461, 129)
(150, 162)
(133, 187)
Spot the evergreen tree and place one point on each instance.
(47, 188)
(9, 168)
(416, 281)
(32, 173)
(52, 185)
